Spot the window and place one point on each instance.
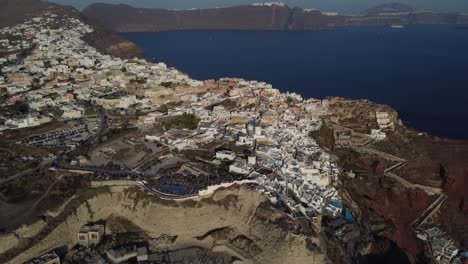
(94, 236)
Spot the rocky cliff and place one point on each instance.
(236, 220)
(124, 18)
(389, 206)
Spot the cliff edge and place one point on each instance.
(237, 219)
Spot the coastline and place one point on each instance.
(415, 115)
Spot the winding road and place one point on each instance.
(388, 172)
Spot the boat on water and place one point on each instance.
(397, 26)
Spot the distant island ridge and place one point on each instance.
(262, 16)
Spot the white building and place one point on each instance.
(383, 120)
(22, 122)
(126, 253)
(72, 112)
(226, 155)
(240, 167)
(377, 134)
(127, 101)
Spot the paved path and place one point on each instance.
(396, 166)
(46, 193)
(94, 169)
(165, 196)
(431, 209)
(400, 163)
(429, 190)
(379, 153)
(43, 164)
(150, 159)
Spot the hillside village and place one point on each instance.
(132, 120)
(63, 75)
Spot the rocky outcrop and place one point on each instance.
(237, 218)
(114, 45)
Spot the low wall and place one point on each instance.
(211, 189)
(97, 184)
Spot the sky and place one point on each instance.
(344, 6)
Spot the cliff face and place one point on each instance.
(417, 18)
(237, 220)
(445, 166)
(124, 18)
(385, 207)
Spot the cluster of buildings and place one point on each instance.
(11, 47)
(279, 4)
(48, 258)
(272, 129)
(43, 82)
(140, 254)
(89, 250)
(63, 74)
(443, 249)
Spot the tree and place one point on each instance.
(18, 109)
(189, 121)
(166, 84)
(325, 136)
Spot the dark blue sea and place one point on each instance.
(421, 71)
